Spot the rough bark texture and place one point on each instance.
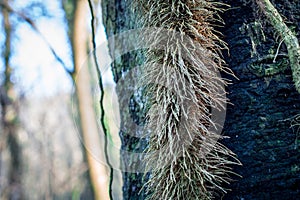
(263, 99)
(287, 35)
(256, 122)
(117, 18)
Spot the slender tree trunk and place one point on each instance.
(10, 117)
(88, 121)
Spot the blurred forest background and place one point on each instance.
(50, 146)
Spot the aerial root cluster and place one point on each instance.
(183, 85)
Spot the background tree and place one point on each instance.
(77, 16)
(10, 119)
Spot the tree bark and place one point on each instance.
(287, 36)
(261, 104)
(263, 98)
(117, 18)
(91, 139)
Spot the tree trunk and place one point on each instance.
(263, 99)
(117, 18)
(88, 122)
(8, 99)
(262, 102)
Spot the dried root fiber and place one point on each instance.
(185, 159)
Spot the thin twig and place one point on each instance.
(100, 82)
(277, 51)
(34, 27)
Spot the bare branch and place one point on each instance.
(34, 27)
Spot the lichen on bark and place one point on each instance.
(287, 35)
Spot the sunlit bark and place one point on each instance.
(90, 133)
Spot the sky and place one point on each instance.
(36, 71)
